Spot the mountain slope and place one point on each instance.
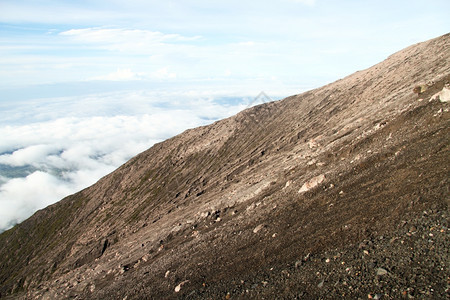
(280, 200)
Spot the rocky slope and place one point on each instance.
(341, 191)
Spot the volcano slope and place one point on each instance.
(341, 191)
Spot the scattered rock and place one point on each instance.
(178, 287)
(312, 183)
(205, 214)
(258, 228)
(419, 89)
(443, 96)
(311, 162)
(381, 272)
(320, 285)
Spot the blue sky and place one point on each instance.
(85, 85)
(283, 45)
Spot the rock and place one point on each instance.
(381, 272)
(178, 287)
(445, 95)
(311, 162)
(419, 89)
(312, 183)
(205, 214)
(258, 228)
(320, 285)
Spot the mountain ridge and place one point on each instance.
(233, 186)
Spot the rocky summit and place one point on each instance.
(340, 192)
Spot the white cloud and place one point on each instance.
(128, 75)
(164, 73)
(305, 2)
(121, 75)
(124, 40)
(20, 197)
(68, 153)
(30, 155)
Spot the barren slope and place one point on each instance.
(216, 212)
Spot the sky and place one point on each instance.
(86, 85)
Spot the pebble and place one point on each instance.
(178, 287)
(320, 285)
(312, 183)
(381, 272)
(258, 228)
(205, 214)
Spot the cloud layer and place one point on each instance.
(59, 155)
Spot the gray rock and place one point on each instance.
(320, 285)
(381, 272)
(258, 228)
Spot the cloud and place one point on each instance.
(27, 156)
(120, 75)
(19, 197)
(121, 39)
(163, 73)
(128, 75)
(64, 154)
(305, 2)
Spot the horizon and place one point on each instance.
(143, 71)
